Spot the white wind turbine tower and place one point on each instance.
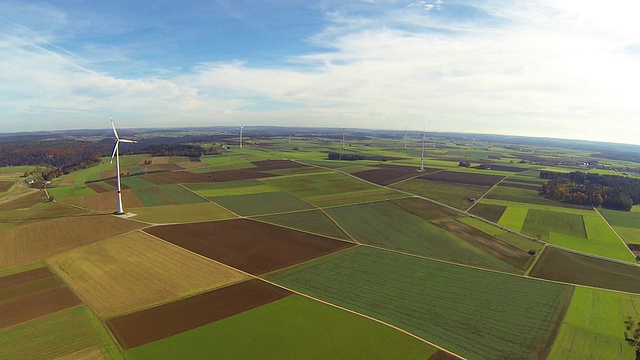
(344, 132)
(405, 137)
(116, 154)
(422, 156)
(241, 127)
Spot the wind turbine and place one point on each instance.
(116, 154)
(344, 132)
(405, 137)
(241, 127)
(422, 156)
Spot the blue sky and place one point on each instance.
(564, 68)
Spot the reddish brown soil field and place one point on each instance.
(157, 323)
(5, 185)
(96, 187)
(560, 265)
(463, 178)
(387, 176)
(24, 201)
(266, 165)
(498, 249)
(441, 355)
(634, 247)
(161, 167)
(218, 176)
(24, 277)
(488, 211)
(248, 245)
(35, 305)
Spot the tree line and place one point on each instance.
(610, 191)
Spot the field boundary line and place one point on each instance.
(304, 231)
(615, 232)
(535, 261)
(252, 276)
(485, 193)
(414, 177)
(209, 200)
(340, 227)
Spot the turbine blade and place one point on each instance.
(115, 133)
(115, 148)
(128, 141)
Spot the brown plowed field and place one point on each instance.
(498, 249)
(488, 211)
(24, 202)
(248, 245)
(162, 167)
(560, 265)
(426, 209)
(25, 276)
(105, 201)
(97, 187)
(35, 305)
(157, 323)
(634, 247)
(5, 185)
(266, 165)
(387, 176)
(217, 176)
(463, 178)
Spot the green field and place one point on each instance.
(488, 211)
(483, 226)
(245, 187)
(315, 221)
(550, 207)
(426, 209)
(386, 225)
(630, 235)
(262, 204)
(75, 332)
(513, 218)
(477, 314)
(540, 223)
(629, 219)
(593, 326)
(137, 182)
(452, 194)
(167, 195)
(291, 328)
(182, 213)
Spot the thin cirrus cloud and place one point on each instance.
(542, 68)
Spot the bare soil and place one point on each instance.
(388, 176)
(463, 178)
(24, 202)
(24, 277)
(248, 245)
(162, 321)
(503, 251)
(565, 266)
(33, 306)
(5, 185)
(217, 176)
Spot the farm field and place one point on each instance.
(185, 177)
(182, 213)
(40, 211)
(386, 225)
(143, 271)
(246, 187)
(146, 326)
(593, 326)
(314, 221)
(449, 193)
(426, 209)
(389, 175)
(541, 223)
(469, 178)
(489, 212)
(166, 195)
(248, 245)
(422, 303)
(559, 265)
(262, 203)
(34, 242)
(291, 328)
(105, 201)
(72, 333)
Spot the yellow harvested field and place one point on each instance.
(34, 242)
(136, 271)
(91, 353)
(182, 213)
(106, 201)
(161, 160)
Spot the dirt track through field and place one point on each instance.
(157, 323)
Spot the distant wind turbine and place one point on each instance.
(405, 137)
(422, 156)
(116, 154)
(241, 127)
(434, 139)
(344, 132)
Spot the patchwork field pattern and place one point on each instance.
(262, 203)
(73, 333)
(246, 187)
(559, 265)
(463, 178)
(291, 328)
(422, 303)
(182, 213)
(166, 195)
(184, 177)
(389, 175)
(386, 225)
(105, 201)
(314, 221)
(593, 326)
(248, 245)
(426, 209)
(143, 271)
(449, 193)
(32, 294)
(162, 321)
(34, 242)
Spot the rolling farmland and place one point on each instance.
(143, 271)
(422, 303)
